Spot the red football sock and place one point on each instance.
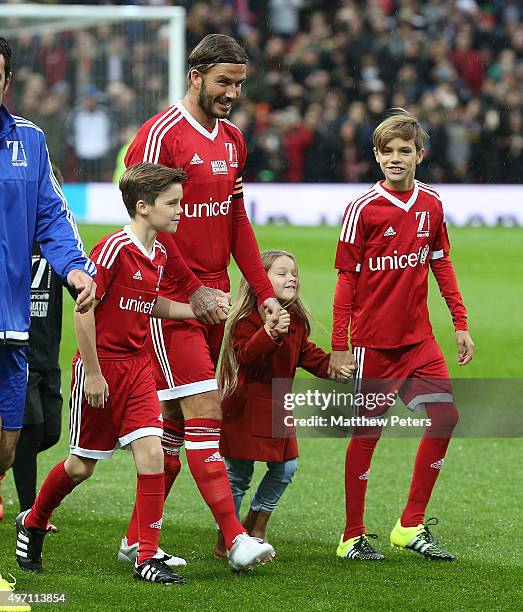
(172, 441)
(149, 506)
(357, 470)
(202, 438)
(429, 461)
(57, 485)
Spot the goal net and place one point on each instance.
(128, 61)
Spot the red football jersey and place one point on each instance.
(212, 196)
(390, 242)
(127, 285)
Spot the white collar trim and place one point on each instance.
(138, 244)
(406, 206)
(196, 125)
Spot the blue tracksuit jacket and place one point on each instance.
(32, 207)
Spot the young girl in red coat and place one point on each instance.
(253, 354)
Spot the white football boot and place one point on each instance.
(247, 551)
(130, 554)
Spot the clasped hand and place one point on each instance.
(282, 325)
(342, 365)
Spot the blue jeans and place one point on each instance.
(278, 476)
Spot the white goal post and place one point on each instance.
(49, 18)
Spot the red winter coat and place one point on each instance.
(246, 431)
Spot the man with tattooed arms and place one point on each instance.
(196, 135)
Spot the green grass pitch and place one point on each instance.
(477, 499)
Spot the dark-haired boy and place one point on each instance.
(113, 397)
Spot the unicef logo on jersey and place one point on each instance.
(399, 262)
(138, 305)
(208, 209)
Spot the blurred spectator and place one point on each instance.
(50, 113)
(285, 16)
(112, 64)
(468, 62)
(298, 137)
(91, 131)
(54, 58)
(513, 148)
(321, 75)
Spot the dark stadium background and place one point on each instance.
(321, 75)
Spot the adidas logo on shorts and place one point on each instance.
(137, 275)
(437, 465)
(364, 476)
(214, 457)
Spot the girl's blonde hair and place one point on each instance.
(244, 304)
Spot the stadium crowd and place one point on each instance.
(321, 75)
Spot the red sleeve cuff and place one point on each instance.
(193, 285)
(260, 345)
(263, 343)
(267, 293)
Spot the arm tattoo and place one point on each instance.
(203, 300)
